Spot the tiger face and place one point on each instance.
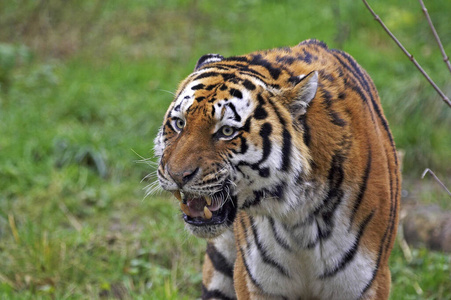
(229, 140)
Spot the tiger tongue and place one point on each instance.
(196, 207)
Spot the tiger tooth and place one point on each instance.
(208, 199)
(178, 195)
(185, 209)
(207, 213)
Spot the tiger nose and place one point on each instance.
(183, 177)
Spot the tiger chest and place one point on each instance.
(282, 262)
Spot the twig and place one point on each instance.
(436, 178)
(410, 56)
(437, 37)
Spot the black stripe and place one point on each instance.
(334, 195)
(227, 76)
(198, 87)
(362, 188)
(286, 146)
(244, 145)
(232, 214)
(350, 254)
(247, 125)
(327, 100)
(211, 87)
(168, 125)
(253, 73)
(378, 261)
(277, 237)
(394, 200)
(206, 74)
(248, 85)
(365, 81)
(313, 42)
(353, 85)
(220, 263)
(237, 59)
(236, 93)
(382, 247)
(214, 294)
(365, 84)
(265, 132)
(306, 130)
(355, 70)
(229, 66)
(260, 113)
(260, 61)
(236, 116)
(261, 100)
(248, 271)
(217, 66)
(328, 76)
(258, 195)
(264, 255)
(286, 150)
(160, 174)
(246, 266)
(279, 116)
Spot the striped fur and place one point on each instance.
(307, 183)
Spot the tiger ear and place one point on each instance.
(305, 87)
(206, 59)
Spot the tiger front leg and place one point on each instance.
(217, 272)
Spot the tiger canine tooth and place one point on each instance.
(208, 199)
(178, 195)
(207, 213)
(185, 209)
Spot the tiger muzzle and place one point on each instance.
(205, 210)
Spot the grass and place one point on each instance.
(83, 88)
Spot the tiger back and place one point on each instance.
(284, 161)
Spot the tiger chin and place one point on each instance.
(284, 161)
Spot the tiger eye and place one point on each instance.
(227, 130)
(179, 124)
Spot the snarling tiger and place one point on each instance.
(284, 161)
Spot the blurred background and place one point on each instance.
(83, 89)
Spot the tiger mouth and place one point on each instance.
(205, 210)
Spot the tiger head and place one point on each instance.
(230, 141)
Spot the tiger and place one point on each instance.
(284, 162)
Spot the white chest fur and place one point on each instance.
(293, 262)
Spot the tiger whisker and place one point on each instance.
(169, 92)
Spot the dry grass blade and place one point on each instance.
(12, 224)
(410, 56)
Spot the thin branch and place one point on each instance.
(436, 178)
(437, 37)
(410, 56)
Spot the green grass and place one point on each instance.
(83, 89)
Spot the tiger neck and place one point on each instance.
(288, 205)
(303, 215)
